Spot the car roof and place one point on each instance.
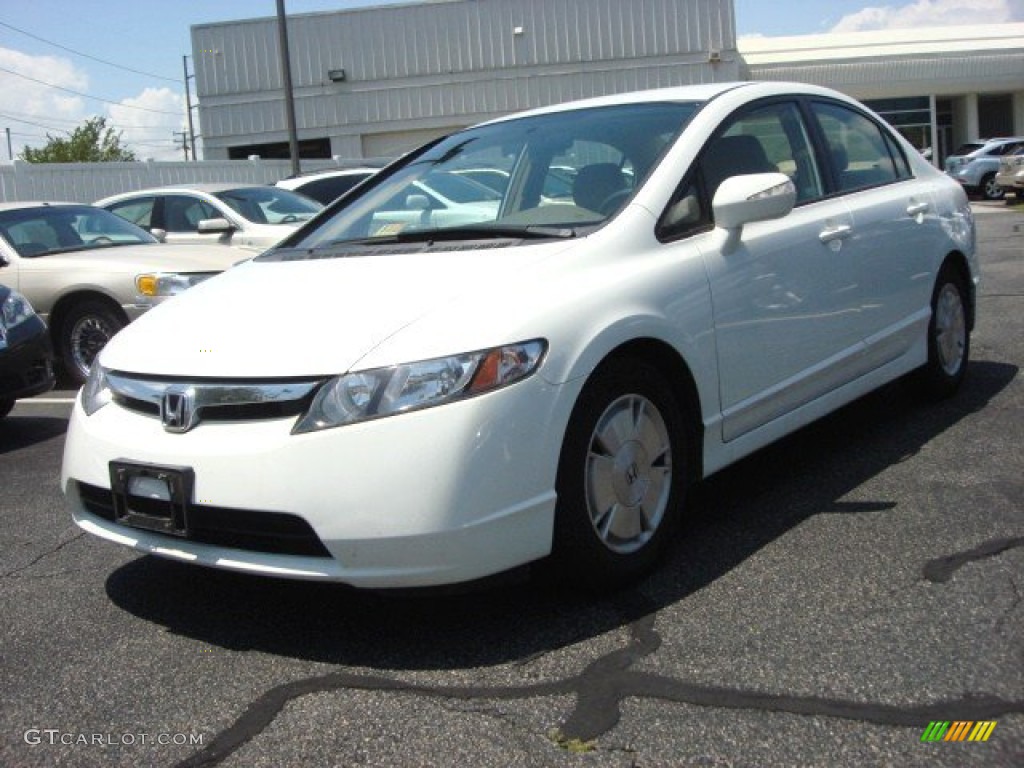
(23, 204)
(326, 172)
(207, 187)
(701, 93)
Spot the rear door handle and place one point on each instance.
(838, 232)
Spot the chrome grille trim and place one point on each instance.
(148, 395)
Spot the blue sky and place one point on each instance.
(88, 48)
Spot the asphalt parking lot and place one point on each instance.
(831, 597)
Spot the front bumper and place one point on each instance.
(1011, 181)
(26, 362)
(438, 496)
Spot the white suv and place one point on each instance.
(976, 171)
(327, 186)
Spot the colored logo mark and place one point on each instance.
(958, 730)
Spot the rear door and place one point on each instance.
(894, 243)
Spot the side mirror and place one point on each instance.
(215, 226)
(753, 197)
(159, 234)
(417, 203)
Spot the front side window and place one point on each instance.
(861, 153)
(767, 139)
(546, 175)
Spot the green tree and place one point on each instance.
(91, 142)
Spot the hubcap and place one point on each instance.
(88, 336)
(628, 474)
(950, 329)
(992, 190)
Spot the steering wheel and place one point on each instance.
(101, 240)
(612, 203)
(289, 218)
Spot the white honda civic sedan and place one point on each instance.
(396, 399)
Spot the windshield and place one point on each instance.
(270, 205)
(46, 229)
(543, 175)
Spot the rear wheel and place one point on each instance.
(85, 330)
(949, 339)
(621, 476)
(990, 190)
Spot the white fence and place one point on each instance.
(88, 182)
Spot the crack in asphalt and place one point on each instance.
(600, 689)
(41, 556)
(941, 569)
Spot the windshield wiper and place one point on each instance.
(474, 232)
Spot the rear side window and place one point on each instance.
(137, 211)
(183, 214)
(862, 153)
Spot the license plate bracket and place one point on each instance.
(152, 496)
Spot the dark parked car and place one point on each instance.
(26, 357)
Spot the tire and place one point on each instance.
(5, 407)
(85, 330)
(989, 189)
(949, 340)
(621, 477)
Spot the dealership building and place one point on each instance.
(376, 82)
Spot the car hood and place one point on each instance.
(308, 318)
(155, 257)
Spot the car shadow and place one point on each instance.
(737, 513)
(17, 432)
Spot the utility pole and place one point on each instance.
(183, 138)
(289, 97)
(188, 107)
(10, 152)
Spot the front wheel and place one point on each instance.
(949, 339)
(621, 476)
(86, 329)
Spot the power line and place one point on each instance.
(87, 56)
(29, 122)
(74, 122)
(86, 95)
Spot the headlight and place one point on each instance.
(372, 394)
(168, 283)
(15, 311)
(96, 393)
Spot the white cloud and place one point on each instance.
(31, 109)
(932, 13)
(144, 127)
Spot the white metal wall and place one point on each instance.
(89, 182)
(454, 62)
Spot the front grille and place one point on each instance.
(215, 400)
(275, 533)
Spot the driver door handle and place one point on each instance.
(838, 232)
(915, 208)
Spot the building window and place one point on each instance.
(309, 149)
